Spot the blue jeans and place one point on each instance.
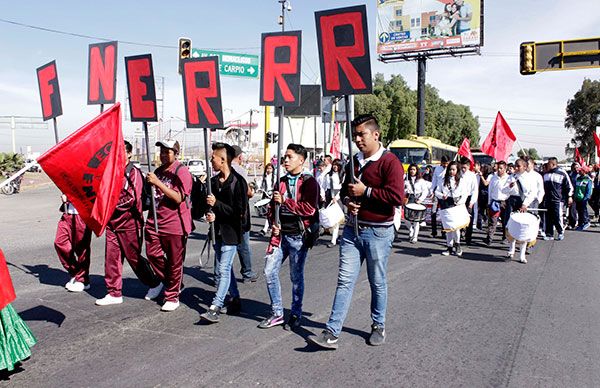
(225, 278)
(245, 256)
(292, 247)
(373, 244)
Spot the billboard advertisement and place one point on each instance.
(405, 26)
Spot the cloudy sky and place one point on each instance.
(533, 105)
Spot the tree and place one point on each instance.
(10, 162)
(531, 152)
(583, 115)
(395, 106)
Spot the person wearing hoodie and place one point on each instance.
(583, 193)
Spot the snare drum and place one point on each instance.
(414, 212)
(262, 207)
(523, 227)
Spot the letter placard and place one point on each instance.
(140, 86)
(49, 91)
(202, 93)
(342, 36)
(102, 73)
(280, 68)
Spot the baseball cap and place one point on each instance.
(238, 150)
(172, 144)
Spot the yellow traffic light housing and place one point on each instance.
(185, 50)
(528, 58)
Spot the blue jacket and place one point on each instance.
(557, 186)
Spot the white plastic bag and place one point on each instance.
(331, 215)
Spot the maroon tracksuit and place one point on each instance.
(72, 243)
(124, 237)
(166, 249)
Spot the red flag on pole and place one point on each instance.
(335, 150)
(597, 141)
(578, 158)
(7, 291)
(500, 140)
(89, 167)
(465, 150)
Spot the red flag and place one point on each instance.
(89, 167)
(465, 150)
(578, 158)
(335, 150)
(498, 144)
(597, 140)
(7, 291)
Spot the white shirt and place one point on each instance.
(457, 192)
(528, 184)
(539, 187)
(469, 179)
(498, 188)
(421, 188)
(438, 175)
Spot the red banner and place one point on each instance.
(500, 140)
(465, 150)
(89, 167)
(597, 141)
(7, 291)
(336, 143)
(578, 158)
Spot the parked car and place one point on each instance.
(196, 167)
(35, 168)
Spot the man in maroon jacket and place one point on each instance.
(298, 196)
(124, 237)
(371, 197)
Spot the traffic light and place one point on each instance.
(269, 138)
(528, 58)
(185, 50)
(275, 137)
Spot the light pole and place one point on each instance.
(250, 128)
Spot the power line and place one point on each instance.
(78, 35)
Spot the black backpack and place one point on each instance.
(146, 190)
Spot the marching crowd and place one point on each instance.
(377, 195)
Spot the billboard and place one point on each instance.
(405, 26)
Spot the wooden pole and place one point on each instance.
(152, 199)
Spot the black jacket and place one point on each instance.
(230, 208)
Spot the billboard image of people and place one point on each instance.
(422, 25)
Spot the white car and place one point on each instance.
(196, 167)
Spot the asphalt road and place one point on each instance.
(475, 321)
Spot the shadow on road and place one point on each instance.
(43, 314)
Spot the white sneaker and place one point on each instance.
(77, 287)
(108, 300)
(523, 260)
(170, 306)
(69, 282)
(153, 293)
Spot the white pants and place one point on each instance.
(453, 238)
(513, 248)
(413, 229)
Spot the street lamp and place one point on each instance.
(285, 5)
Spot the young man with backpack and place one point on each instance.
(298, 197)
(166, 248)
(124, 237)
(228, 205)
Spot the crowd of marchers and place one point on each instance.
(373, 191)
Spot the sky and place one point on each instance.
(534, 105)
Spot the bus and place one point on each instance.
(421, 150)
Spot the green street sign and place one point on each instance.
(230, 64)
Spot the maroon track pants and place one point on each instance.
(120, 245)
(166, 253)
(72, 243)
